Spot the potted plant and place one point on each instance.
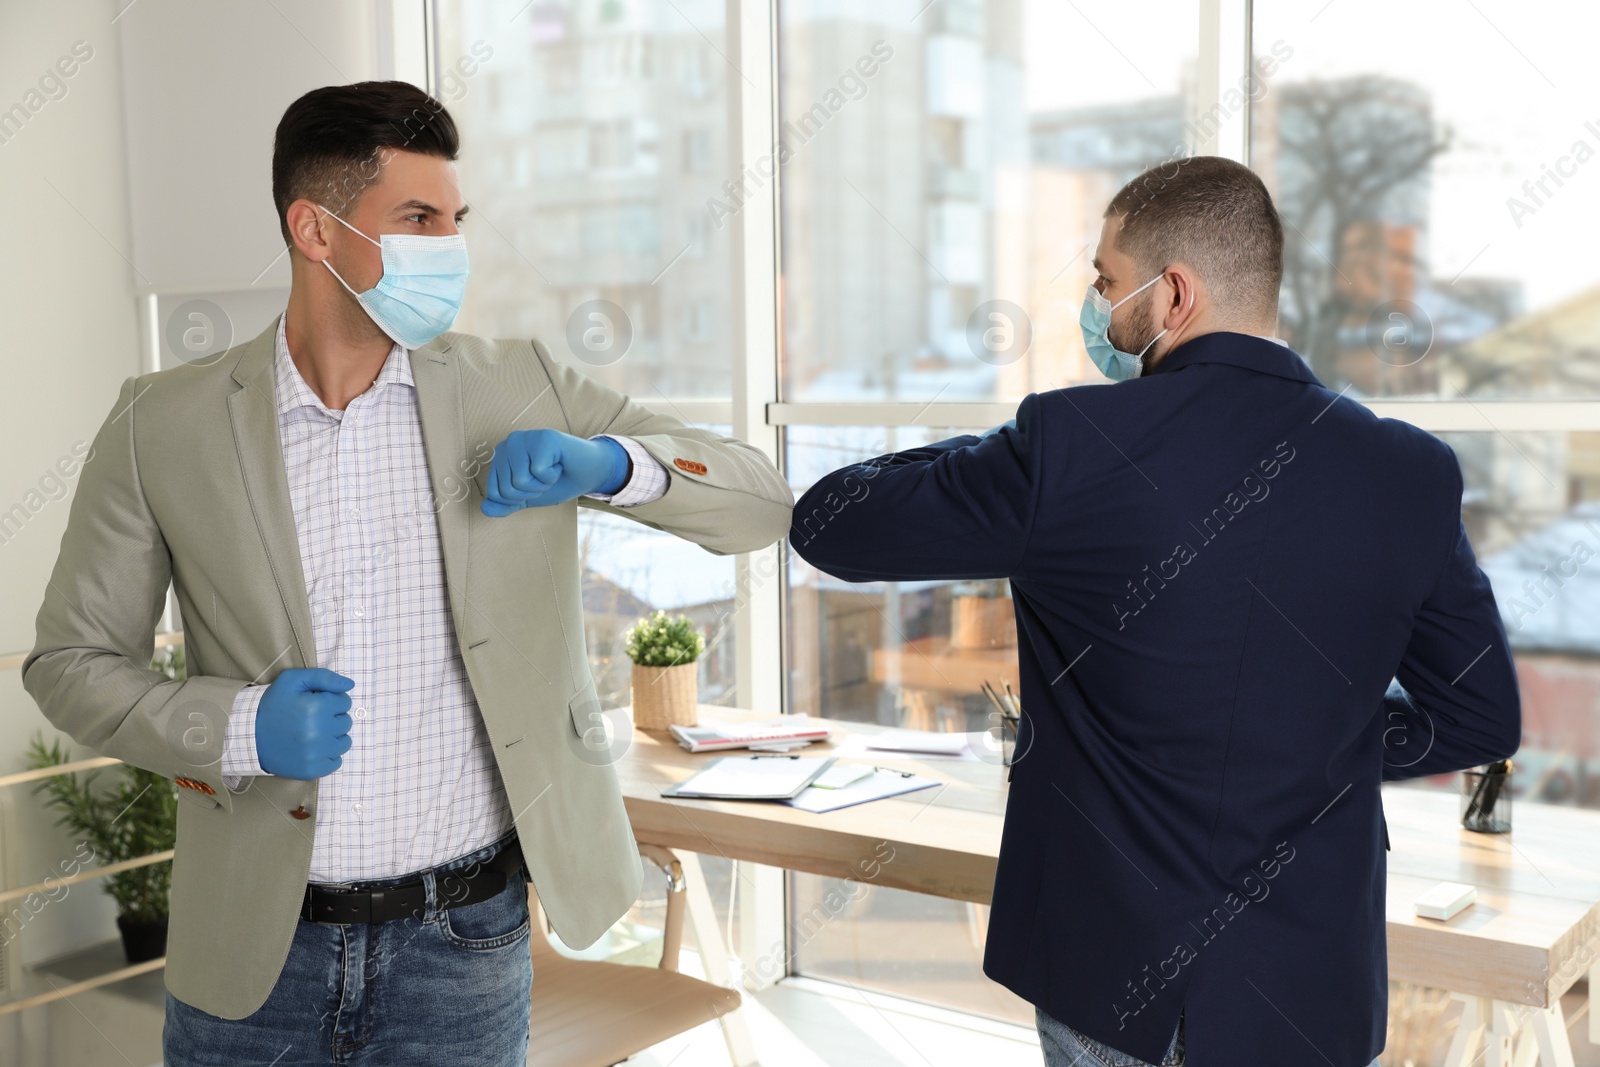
(981, 615)
(133, 816)
(665, 674)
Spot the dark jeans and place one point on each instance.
(449, 988)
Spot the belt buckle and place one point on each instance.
(339, 889)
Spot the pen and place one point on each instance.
(994, 698)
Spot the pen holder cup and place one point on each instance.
(1008, 741)
(1486, 800)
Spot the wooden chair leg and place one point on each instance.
(702, 919)
(672, 927)
(978, 925)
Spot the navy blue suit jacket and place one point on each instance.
(1218, 570)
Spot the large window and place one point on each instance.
(592, 134)
(910, 194)
(1429, 253)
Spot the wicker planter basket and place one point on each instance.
(666, 696)
(982, 622)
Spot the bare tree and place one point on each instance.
(1351, 151)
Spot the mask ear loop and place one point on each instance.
(1137, 291)
(349, 227)
(1124, 300)
(325, 263)
(1163, 333)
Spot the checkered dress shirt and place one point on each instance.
(419, 785)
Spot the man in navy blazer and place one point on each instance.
(1243, 602)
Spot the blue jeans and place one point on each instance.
(449, 988)
(1065, 1047)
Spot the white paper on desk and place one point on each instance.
(780, 746)
(761, 777)
(865, 747)
(842, 774)
(881, 784)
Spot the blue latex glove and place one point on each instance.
(303, 723)
(537, 468)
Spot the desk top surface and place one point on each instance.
(946, 839)
(1532, 933)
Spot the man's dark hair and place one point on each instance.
(331, 143)
(1217, 217)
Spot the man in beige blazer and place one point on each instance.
(188, 486)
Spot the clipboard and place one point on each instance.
(883, 782)
(751, 778)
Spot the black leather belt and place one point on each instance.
(468, 885)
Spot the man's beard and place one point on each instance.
(1137, 329)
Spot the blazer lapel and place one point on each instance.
(253, 410)
(438, 388)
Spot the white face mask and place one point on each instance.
(1095, 321)
(420, 293)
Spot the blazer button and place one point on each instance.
(301, 812)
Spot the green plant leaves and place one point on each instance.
(135, 816)
(662, 642)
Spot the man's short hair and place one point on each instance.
(1217, 217)
(331, 143)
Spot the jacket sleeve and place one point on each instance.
(89, 670)
(722, 494)
(961, 508)
(1457, 703)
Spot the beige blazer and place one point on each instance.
(186, 486)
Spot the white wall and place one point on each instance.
(72, 336)
(151, 172)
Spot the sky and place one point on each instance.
(1515, 81)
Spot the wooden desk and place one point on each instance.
(1533, 933)
(946, 840)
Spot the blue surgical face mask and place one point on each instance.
(419, 295)
(1095, 319)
